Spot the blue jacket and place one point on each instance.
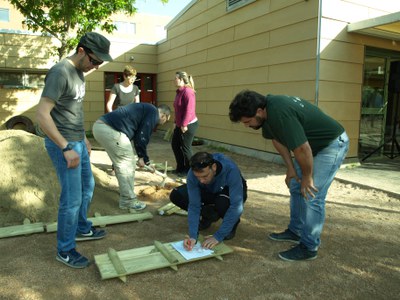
(229, 176)
(137, 121)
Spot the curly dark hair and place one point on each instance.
(245, 104)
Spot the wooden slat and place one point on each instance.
(21, 229)
(118, 266)
(106, 220)
(170, 208)
(164, 251)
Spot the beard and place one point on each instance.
(260, 122)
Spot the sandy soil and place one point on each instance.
(359, 257)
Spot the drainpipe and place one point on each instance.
(318, 52)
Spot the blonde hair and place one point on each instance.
(187, 79)
(129, 71)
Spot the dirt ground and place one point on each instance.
(359, 257)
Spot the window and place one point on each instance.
(235, 4)
(21, 79)
(126, 27)
(4, 14)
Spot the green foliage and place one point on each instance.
(67, 20)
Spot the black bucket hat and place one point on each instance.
(98, 44)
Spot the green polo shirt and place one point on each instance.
(293, 121)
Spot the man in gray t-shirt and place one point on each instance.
(60, 116)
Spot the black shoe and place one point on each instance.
(299, 252)
(209, 212)
(232, 234)
(286, 236)
(204, 223)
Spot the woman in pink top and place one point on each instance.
(186, 122)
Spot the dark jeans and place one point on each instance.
(211, 202)
(182, 146)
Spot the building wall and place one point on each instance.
(270, 46)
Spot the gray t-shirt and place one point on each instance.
(65, 85)
(122, 97)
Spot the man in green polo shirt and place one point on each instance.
(319, 145)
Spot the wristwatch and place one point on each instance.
(68, 147)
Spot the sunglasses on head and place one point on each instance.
(202, 164)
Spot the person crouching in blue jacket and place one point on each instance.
(215, 189)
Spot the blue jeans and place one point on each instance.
(307, 217)
(77, 186)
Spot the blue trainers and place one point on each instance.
(299, 252)
(72, 259)
(93, 234)
(286, 236)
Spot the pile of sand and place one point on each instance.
(29, 186)
(28, 182)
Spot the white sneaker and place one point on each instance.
(135, 205)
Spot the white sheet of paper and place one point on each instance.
(196, 252)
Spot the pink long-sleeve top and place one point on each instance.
(185, 106)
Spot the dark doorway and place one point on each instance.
(379, 123)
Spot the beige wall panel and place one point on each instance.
(246, 45)
(212, 121)
(235, 77)
(352, 128)
(174, 65)
(140, 58)
(192, 59)
(22, 51)
(248, 140)
(306, 30)
(28, 63)
(163, 46)
(203, 16)
(336, 50)
(302, 89)
(28, 40)
(175, 53)
(212, 40)
(253, 59)
(15, 102)
(291, 53)
(197, 8)
(282, 4)
(275, 19)
(295, 71)
(212, 94)
(189, 36)
(346, 111)
(176, 30)
(94, 86)
(218, 66)
(339, 91)
(95, 75)
(341, 71)
(244, 14)
(217, 108)
(283, 54)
